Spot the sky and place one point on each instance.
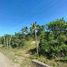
(16, 14)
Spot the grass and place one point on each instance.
(23, 57)
(19, 56)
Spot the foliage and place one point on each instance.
(52, 38)
(53, 43)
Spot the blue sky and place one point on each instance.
(15, 14)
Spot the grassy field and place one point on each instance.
(24, 58)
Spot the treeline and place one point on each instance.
(52, 38)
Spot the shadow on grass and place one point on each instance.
(61, 60)
(32, 51)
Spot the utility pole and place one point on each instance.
(36, 39)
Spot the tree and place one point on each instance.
(53, 41)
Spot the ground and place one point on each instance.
(5, 62)
(23, 58)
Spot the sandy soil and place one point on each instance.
(5, 62)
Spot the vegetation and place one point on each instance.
(51, 38)
(54, 41)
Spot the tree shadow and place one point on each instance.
(32, 51)
(61, 60)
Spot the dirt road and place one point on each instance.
(5, 62)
